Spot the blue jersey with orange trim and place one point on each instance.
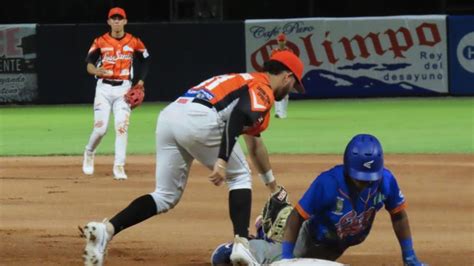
(340, 220)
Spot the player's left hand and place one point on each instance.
(413, 261)
(134, 97)
(217, 176)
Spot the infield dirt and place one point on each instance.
(44, 199)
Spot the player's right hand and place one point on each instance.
(100, 72)
(217, 176)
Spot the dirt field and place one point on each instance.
(44, 199)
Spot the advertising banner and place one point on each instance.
(461, 55)
(359, 57)
(18, 78)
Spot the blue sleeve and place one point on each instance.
(394, 198)
(315, 198)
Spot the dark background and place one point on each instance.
(182, 55)
(95, 11)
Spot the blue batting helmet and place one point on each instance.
(363, 158)
(221, 255)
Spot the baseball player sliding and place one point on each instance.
(205, 124)
(110, 59)
(335, 213)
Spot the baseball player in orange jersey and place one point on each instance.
(281, 106)
(110, 59)
(205, 124)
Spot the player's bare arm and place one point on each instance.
(233, 129)
(400, 225)
(91, 60)
(259, 155)
(217, 176)
(96, 71)
(293, 225)
(292, 228)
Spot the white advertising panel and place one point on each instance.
(350, 57)
(18, 78)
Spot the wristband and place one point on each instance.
(267, 177)
(287, 250)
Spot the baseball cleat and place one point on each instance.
(280, 116)
(241, 254)
(88, 163)
(97, 239)
(119, 172)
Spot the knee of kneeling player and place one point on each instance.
(165, 201)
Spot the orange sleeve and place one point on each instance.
(302, 212)
(139, 45)
(260, 99)
(399, 208)
(94, 46)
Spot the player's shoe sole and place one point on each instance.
(97, 239)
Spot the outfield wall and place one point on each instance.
(461, 54)
(181, 55)
(360, 57)
(344, 57)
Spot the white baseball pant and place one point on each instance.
(188, 131)
(110, 98)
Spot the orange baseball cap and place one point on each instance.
(293, 63)
(281, 37)
(117, 11)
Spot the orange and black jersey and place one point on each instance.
(243, 102)
(116, 56)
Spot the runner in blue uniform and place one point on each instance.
(338, 209)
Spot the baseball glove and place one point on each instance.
(275, 213)
(134, 97)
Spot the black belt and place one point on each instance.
(112, 82)
(203, 102)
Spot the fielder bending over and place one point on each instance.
(205, 124)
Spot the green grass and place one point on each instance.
(406, 125)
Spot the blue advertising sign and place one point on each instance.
(461, 55)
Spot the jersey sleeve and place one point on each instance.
(93, 53)
(140, 47)
(242, 116)
(394, 199)
(143, 57)
(314, 199)
(260, 102)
